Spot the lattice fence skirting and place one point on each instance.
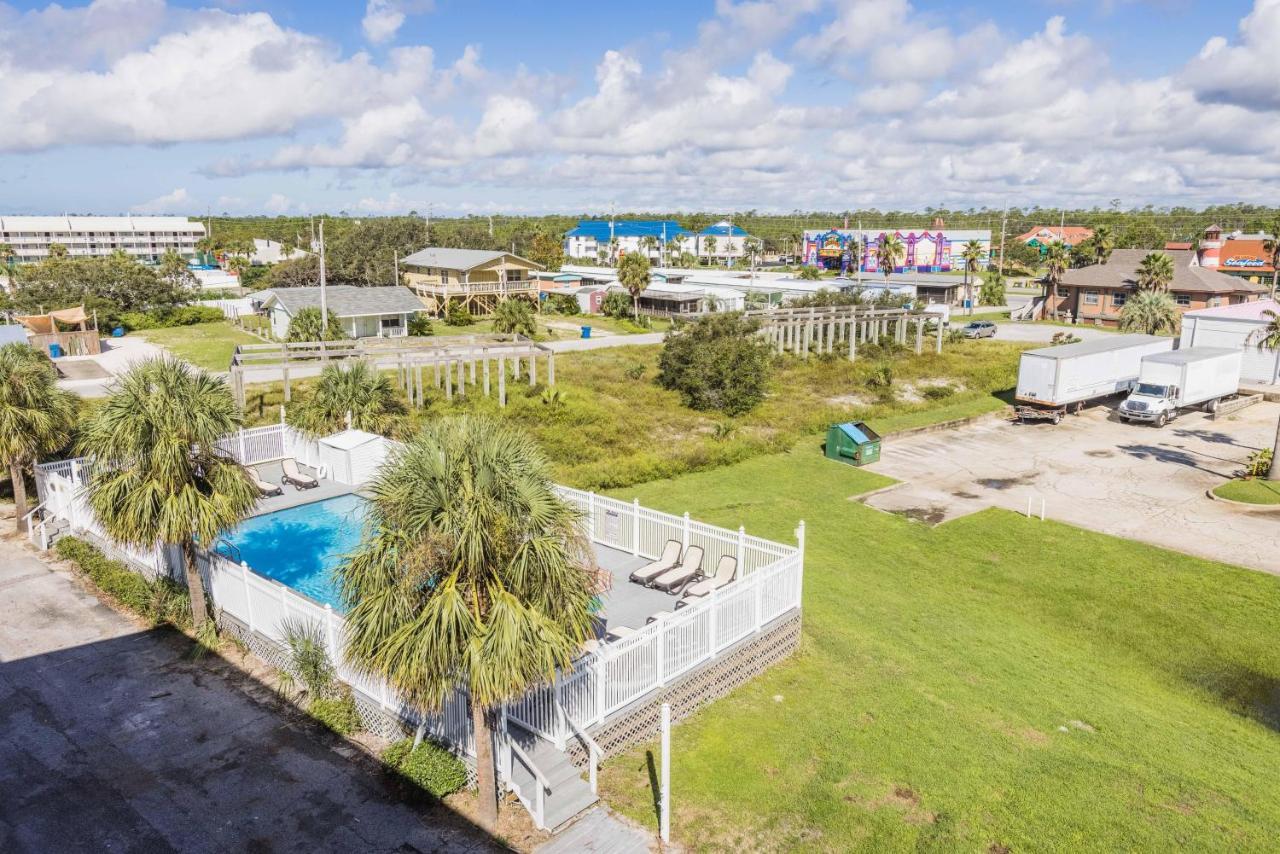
(382, 723)
(639, 723)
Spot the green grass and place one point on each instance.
(484, 326)
(995, 683)
(1252, 491)
(613, 430)
(205, 345)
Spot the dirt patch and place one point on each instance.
(1035, 736)
(960, 493)
(850, 400)
(929, 515)
(1100, 454)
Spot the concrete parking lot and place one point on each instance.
(1131, 481)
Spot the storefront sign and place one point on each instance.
(1241, 261)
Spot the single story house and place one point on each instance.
(1097, 293)
(1235, 326)
(478, 279)
(363, 312)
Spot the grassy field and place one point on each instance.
(614, 425)
(206, 345)
(1250, 491)
(993, 684)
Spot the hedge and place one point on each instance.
(160, 601)
(430, 767)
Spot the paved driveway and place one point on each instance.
(110, 740)
(1132, 481)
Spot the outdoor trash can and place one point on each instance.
(853, 442)
(586, 332)
(55, 351)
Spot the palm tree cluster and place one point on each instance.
(473, 572)
(889, 254)
(36, 417)
(633, 273)
(1151, 312)
(1155, 272)
(1056, 259)
(353, 390)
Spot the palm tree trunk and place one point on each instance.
(635, 307)
(486, 772)
(195, 585)
(19, 494)
(1275, 276)
(1274, 473)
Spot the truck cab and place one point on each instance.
(1150, 402)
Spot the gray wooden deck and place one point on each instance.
(629, 604)
(294, 497)
(600, 831)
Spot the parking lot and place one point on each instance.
(1131, 481)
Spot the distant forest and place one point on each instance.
(1143, 228)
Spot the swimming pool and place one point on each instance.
(302, 546)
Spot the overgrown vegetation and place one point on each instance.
(456, 314)
(515, 316)
(717, 362)
(307, 325)
(159, 602)
(338, 712)
(429, 767)
(165, 318)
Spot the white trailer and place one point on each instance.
(1171, 382)
(1053, 380)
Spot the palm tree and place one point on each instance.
(473, 573)
(1056, 258)
(1268, 338)
(971, 255)
(709, 246)
(1272, 247)
(356, 389)
(1155, 272)
(160, 476)
(7, 256)
(1104, 240)
(1150, 312)
(890, 252)
(36, 417)
(512, 316)
(633, 273)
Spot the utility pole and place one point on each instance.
(428, 225)
(324, 302)
(491, 225)
(1004, 220)
(861, 249)
(396, 261)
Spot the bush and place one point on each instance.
(561, 304)
(636, 371)
(717, 362)
(881, 376)
(937, 392)
(457, 315)
(159, 601)
(306, 326)
(1258, 464)
(514, 316)
(163, 318)
(616, 305)
(991, 291)
(430, 767)
(337, 712)
(420, 325)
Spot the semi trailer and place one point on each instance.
(1053, 381)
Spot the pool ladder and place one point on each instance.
(227, 549)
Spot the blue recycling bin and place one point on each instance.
(586, 332)
(118, 332)
(55, 351)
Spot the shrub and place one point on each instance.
(338, 713)
(991, 291)
(162, 318)
(514, 316)
(616, 305)
(308, 654)
(717, 362)
(420, 325)
(636, 371)
(1258, 464)
(562, 304)
(955, 336)
(457, 315)
(160, 601)
(430, 767)
(1063, 338)
(306, 326)
(937, 392)
(881, 376)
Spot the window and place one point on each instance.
(1090, 297)
(1183, 300)
(1118, 298)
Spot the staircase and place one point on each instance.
(566, 794)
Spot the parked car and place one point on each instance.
(980, 329)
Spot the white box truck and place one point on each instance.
(1171, 382)
(1054, 380)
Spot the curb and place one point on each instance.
(1243, 506)
(947, 425)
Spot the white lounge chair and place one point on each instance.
(295, 477)
(726, 569)
(265, 487)
(669, 558)
(674, 579)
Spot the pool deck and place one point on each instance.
(294, 497)
(629, 604)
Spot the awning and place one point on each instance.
(43, 324)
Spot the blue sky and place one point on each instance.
(396, 105)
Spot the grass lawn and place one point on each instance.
(614, 429)
(558, 326)
(1250, 491)
(992, 684)
(206, 345)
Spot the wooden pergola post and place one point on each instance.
(502, 381)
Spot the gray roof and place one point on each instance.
(347, 300)
(1094, 345)
(1191, 354)
(456, 259)
(1121, 271)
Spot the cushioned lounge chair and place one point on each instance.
(676, 578)
(726, 569)
(295, 477)
(265, 487)
(669, 558)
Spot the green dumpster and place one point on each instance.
(853, 442)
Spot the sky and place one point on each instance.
(479, 107)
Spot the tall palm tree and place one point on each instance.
(709, 246)
(354, 388)
(36, 417)
(1150, 312)
(971, 255)
(1056, 259)
(633, 273)
(1268, 338)
(1155, 272)
(889, 253)
(1104, 240)
(472, 573)
(1272, 247)
(160, 476)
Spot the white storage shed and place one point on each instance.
(1231, 326)
(352, 456)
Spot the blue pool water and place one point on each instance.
(302, 546)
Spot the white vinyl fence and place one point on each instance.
(599, 684)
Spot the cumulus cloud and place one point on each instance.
(173, 202)
(384, 18)
(1245, 72)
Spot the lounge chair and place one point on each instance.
(265, 487)
(621, 632)
(676, 578)
(295, 477)
(670, 557)
(726, 569)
